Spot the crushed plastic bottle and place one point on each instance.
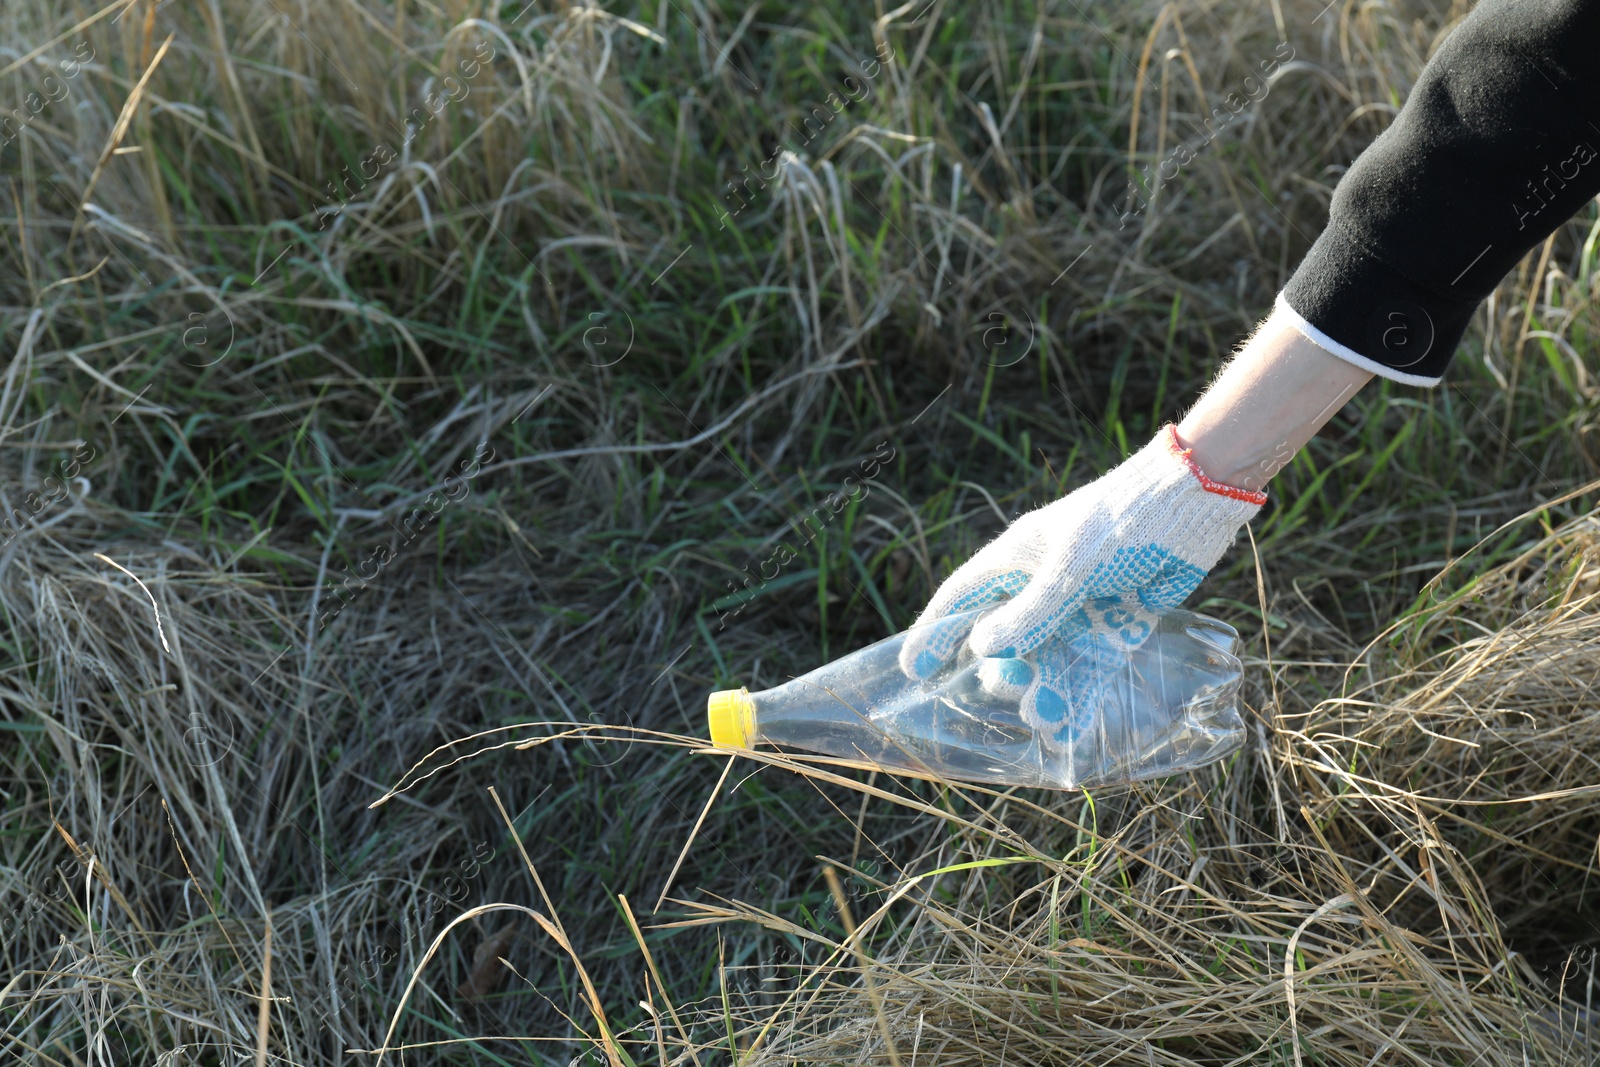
(1168, 707)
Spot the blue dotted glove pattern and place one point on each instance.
(1074, 654)
(1122, 596)
(1061, 688)
(944, 637)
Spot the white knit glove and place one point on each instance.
(1090, 574)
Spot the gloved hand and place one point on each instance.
(1090, 573)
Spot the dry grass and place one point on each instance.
(273, 378)
(1341, 897)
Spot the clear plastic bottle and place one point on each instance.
(1169, 706)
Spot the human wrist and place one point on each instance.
(1244, 471)
(1266, 404)
(1161, 488)
(1183, 453)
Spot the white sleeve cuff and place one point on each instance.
(1286, 314)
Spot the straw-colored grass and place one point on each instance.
(1343, 896)
(275, 321)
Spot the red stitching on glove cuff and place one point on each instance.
(1233, 493)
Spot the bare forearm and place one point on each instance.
(1266, 404)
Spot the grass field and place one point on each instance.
(399, 395)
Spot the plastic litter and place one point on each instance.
(1167, 707)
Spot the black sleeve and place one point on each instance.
(1495, 147)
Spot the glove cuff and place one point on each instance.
(1169, 438)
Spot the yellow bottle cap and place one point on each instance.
(733, 718)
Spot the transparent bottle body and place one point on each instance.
(1169, 706)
